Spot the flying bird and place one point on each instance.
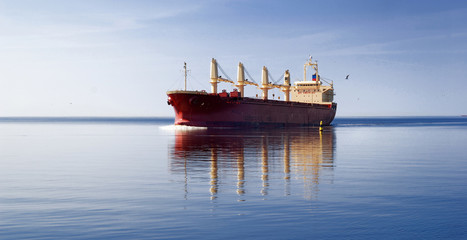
(347, 77)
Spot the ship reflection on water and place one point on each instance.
(253, 162)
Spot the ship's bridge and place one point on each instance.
(312, 92)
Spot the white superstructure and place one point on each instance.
(312, 91)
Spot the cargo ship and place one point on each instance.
(305, 103)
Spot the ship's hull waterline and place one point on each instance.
(201, 109)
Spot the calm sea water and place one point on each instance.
(127, 178)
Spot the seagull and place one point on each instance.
(347, 77)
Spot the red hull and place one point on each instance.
(211, 110)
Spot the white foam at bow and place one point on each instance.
(182, 128)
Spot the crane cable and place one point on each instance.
(222, 70)
(276, 81)
(324, 79)
(248, 74)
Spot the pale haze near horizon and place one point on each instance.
(118, 58)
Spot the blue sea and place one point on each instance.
(143, 178)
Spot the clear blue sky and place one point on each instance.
(118, 58)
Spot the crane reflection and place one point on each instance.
(253, 161)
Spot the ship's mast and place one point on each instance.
(286, 87)
(265, 86)
(241, 79)
(314, 66)
(184, 68)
